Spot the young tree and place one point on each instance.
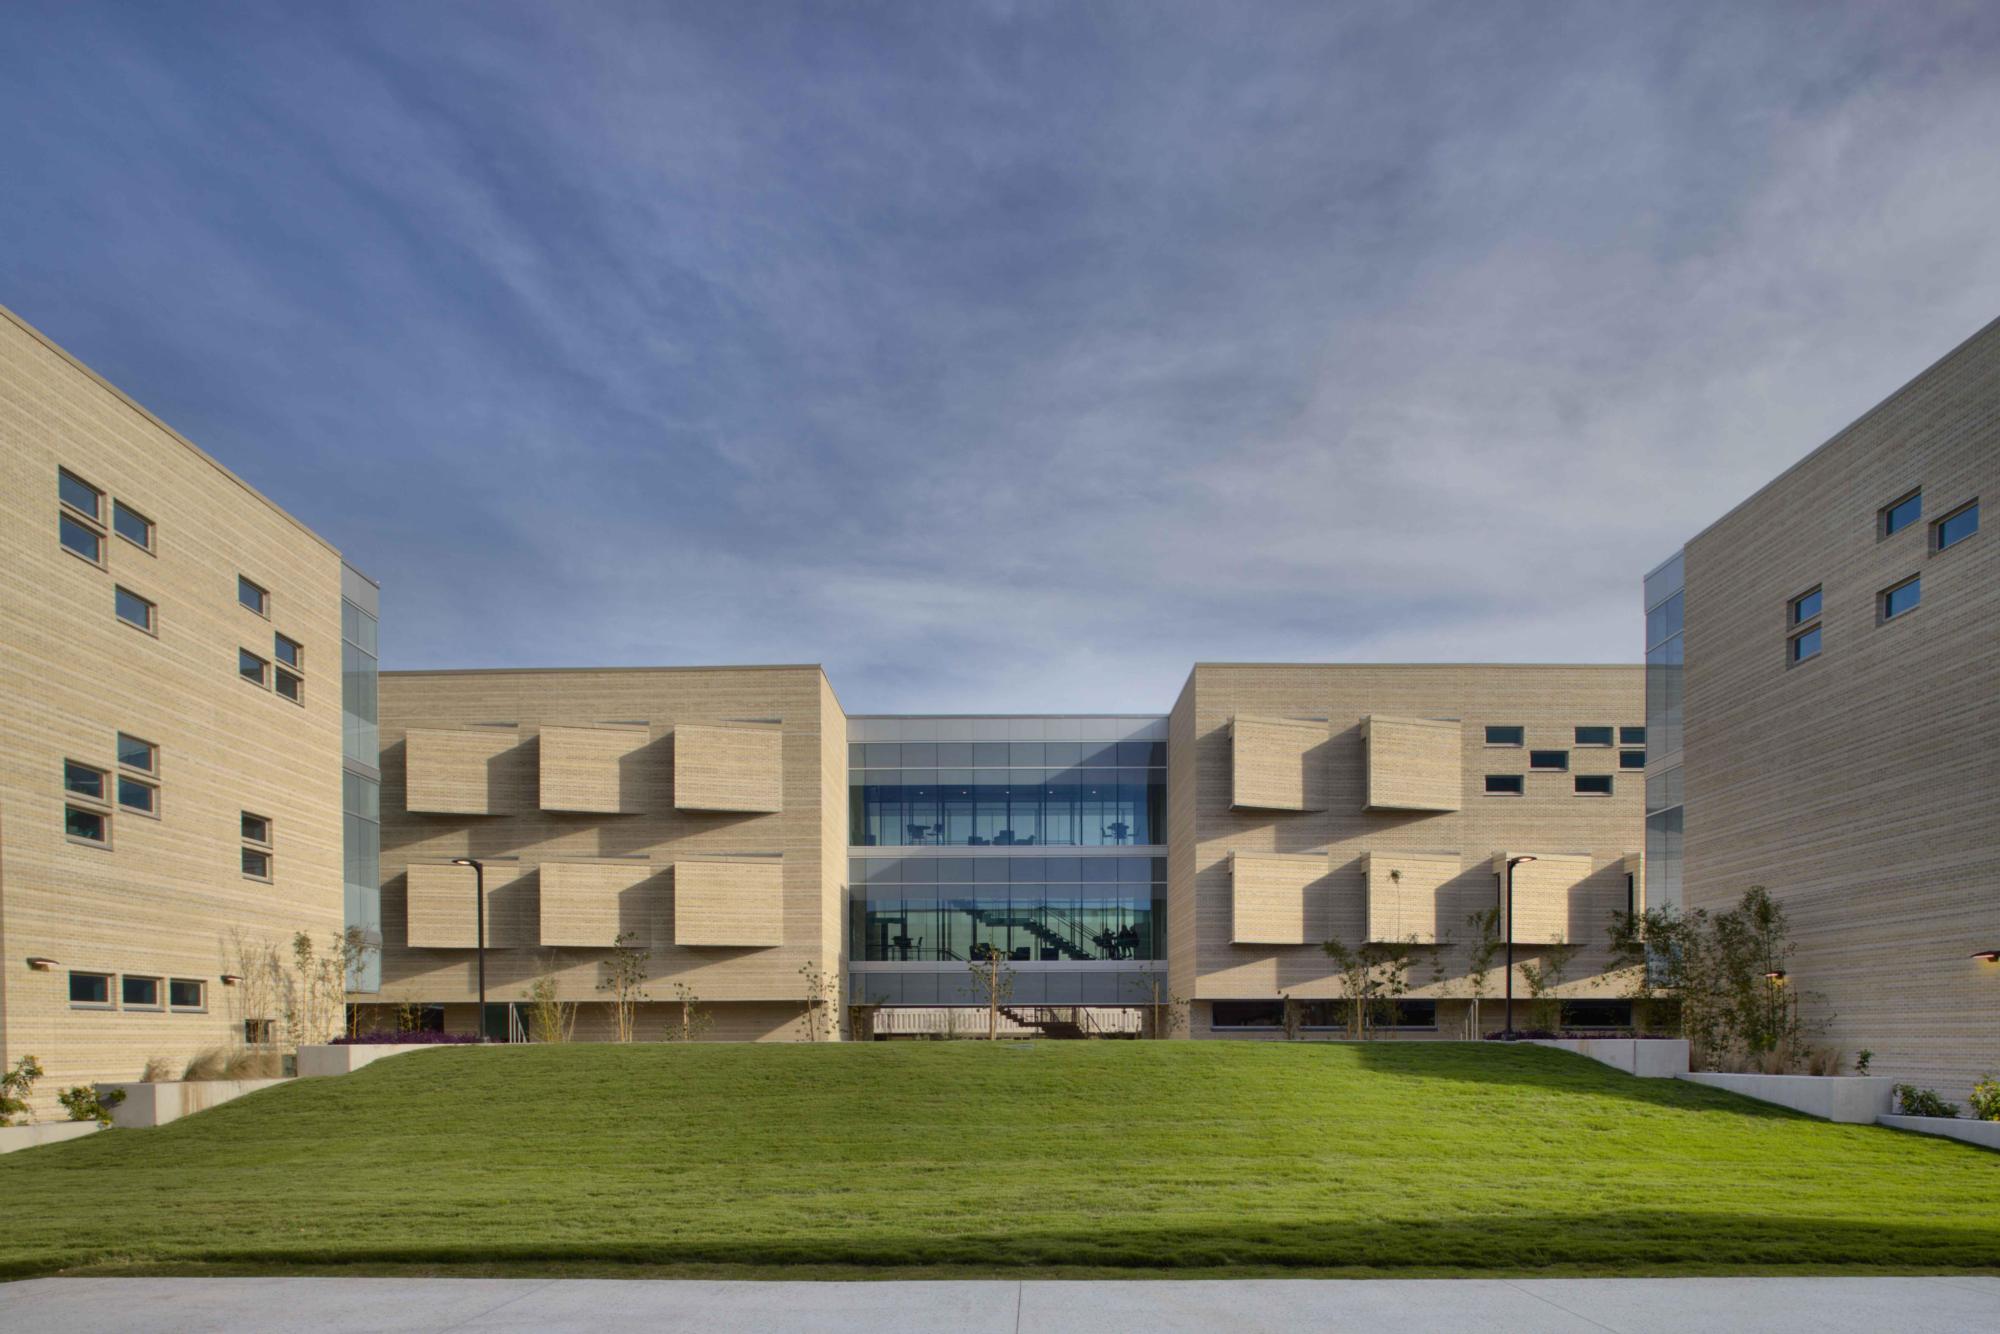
(694, 1020)
(624, 980)
(1485, 947)
(1372, 979)
(550, 1017)
(1544, 977)
(993, 980)
(1166, 1013)
(820, 1000)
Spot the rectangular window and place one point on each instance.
(1247, 1014)
(1505, 736)
(250, 667)
(136, 754)
(187, 993)
(1593, 785)
(1631, 736)
(90, 989)
(1806, 646)
(291, 687)
(87, 826)
(1806, 606)
(1557, 760)
(1505, 785)
(1958, 525)
(1902, 598)
(1594, 736)
(131, 525)
(287, 650)
(258, 1032)
(1903, 513)
(139, 993)
(1631, 759)
(137, 796)
(84, 780)
(256, 865)
(82, 540)
(253, 596)
(80, 495)
(134, 610)
(1597, 1014)
(256, 829)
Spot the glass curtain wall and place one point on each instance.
(361, 776)
(1007, 794)
(1665, 591)
(1022, 909)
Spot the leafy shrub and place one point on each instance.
(1913, 1101)
(87, 1104)
(15, 1086)
(418, 1037)
(1861, 1060)
(1986, 1099)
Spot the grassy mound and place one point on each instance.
(1050, 1158)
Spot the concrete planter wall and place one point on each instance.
(1986, 1134)
(170, 1100)
(55, 1132)
(1854, 1099)
(1648, 1058)
(345, 1058)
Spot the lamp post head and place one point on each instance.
(1775, 977)
(1989, 956)
(465, 861)
(1524, 857)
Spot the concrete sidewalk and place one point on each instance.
(1244, 1306)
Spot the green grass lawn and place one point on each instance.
(964, 1158)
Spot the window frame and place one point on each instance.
(102, 816)
(1521, 737)
(265, 877)
(1535, 766)
(151, 767)
(118, 508)
(152, 809)
(109, 991)
(265, 842)
(1796, 617)
(1628, 755)
(96, 535)
(263, 678)
(200, 986)
(159, 1001)
(1793, 643)
(1578, 780)
(262, 606)
(1885, 525)
(1519, 788)
(297, 663)
(1938, 544)
(118, 596)
(95, 515)
(104, 789)
(1610, 737)
(279, 676)
(1627, 737)
(1883, 614)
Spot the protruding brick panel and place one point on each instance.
(460, 771)
(594, 769)
(729, 903)
(1278, 900)
(588, 904)
(441, 914)
(732, 767)
(1548, 894)
(1403, 892)
(1414, 764)
(1279, 764)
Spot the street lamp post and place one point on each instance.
(479, 916)
(1512, 862)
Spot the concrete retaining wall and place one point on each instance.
(1854, 1099)
(169, 1100)
(1986, 1134)
(1648, 1058)
(54, 1132)
(345, 1058)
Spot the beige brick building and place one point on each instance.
(1840, 741)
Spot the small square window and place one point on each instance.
(1958, 525)
(1806, 646)
(1903, 513)
(253, 596)
(84, 780)
(256, 829)
(291, 687)
(256, 865)
(131, 525)
(134, 610)
(137, 796)
(80, 539)
(187, 993)
(1806, 606)
(1631, 759)
(1504, 785)
(92, 989)
(1593, 785)
(1506, 736)
(1593, 736)
(1631, 736)
(251, 667)
(136, 754)
(287, 650)
(80, 495)
(87, 826)
(1903, 597)
(1548, 759)
(258, 1032)
(139, 993)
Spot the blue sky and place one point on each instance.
(1012, 356)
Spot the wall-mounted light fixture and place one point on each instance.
(1990, 956)
(1775, 975)
(41, 965)
(231, 979)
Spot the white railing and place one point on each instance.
(970, 1021)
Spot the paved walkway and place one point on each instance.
(1244, 1306)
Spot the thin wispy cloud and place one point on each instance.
(1008, 357)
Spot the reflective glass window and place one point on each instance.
(90, 826)
(131, 525)
(1806, 606)
(90, 989)
(1506, 785)
(1548, 759)
(136, 754)
(1593, 736)
(1506, 735)
(83, 780)
(1903, 513)
(1806, 645)
(252, 596)
(1902, 598)
(133, 609)
(82, 540)
(80, 495)
(1593, 785)
(139, 993)
(1958, 526)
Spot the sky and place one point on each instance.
(1003, 357)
